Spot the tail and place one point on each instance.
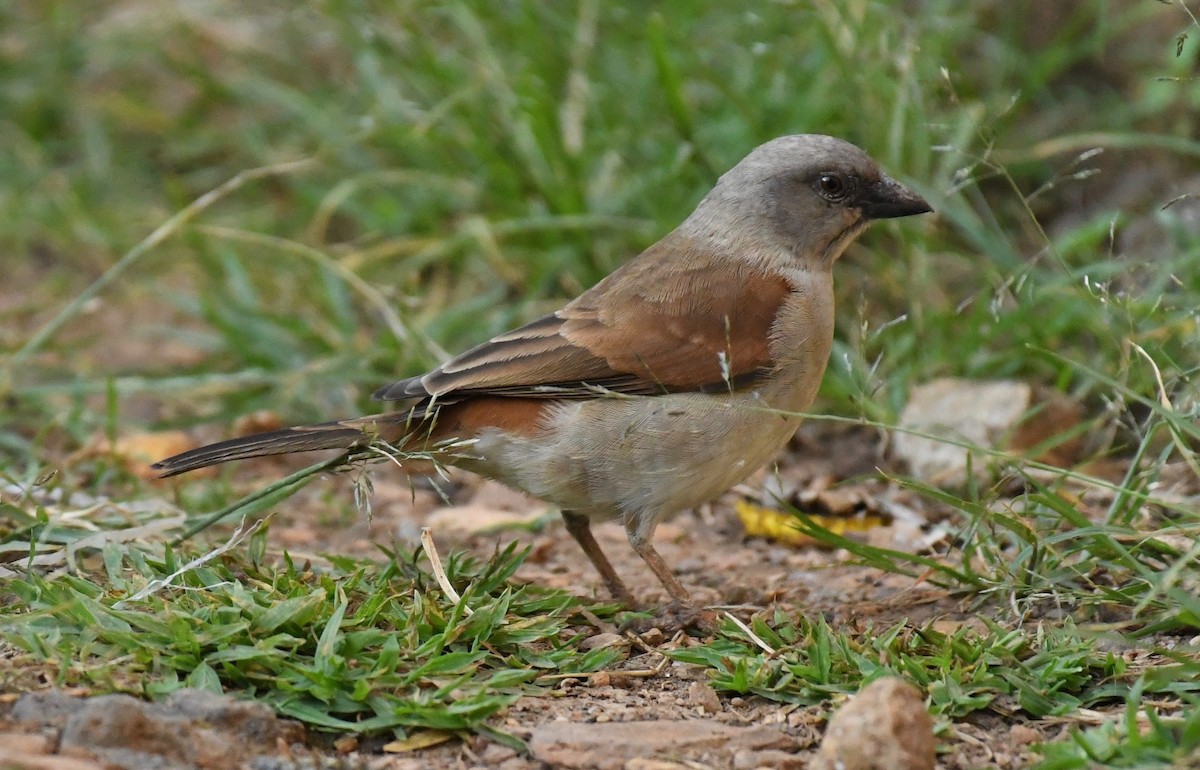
(343, 434)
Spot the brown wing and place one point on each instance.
(650, 327)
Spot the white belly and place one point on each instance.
(641, 458)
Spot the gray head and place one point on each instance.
(815, 194)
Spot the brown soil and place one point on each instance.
(660, 704)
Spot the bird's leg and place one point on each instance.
(580, 527)
(640, 540)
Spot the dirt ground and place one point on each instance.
(645, 713)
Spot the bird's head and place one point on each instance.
(810, 193)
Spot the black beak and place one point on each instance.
(887, 199)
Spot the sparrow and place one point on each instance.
(662, 386)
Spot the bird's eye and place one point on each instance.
(833, 187)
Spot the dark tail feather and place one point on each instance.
(306, 438)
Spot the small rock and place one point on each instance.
(496, 753)
(884, 727)
(191, 728)
(654, 764)
(598, 641)
(703, 695)
(48, 708)
(770, 758)
(251, 720)
(613, 745)
(19, 751)
(1023, 735)
(997, 415)
(275, 763)
(120, 729)
(24, 743)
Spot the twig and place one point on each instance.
(99, 539)
(753, 636)
(153, 586)
(439, 572)
(637, 673)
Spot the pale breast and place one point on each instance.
(638, 456)
(642, 458)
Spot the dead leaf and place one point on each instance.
(418, 741)
(136, 452)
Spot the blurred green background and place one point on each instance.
(474, 164)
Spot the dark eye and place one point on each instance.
(833, 187)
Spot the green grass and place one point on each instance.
(351, 647)
(1143, 738)
(1039, 550)
(460, 170)
(1047, 671)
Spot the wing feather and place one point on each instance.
(648, 328)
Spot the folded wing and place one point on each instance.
(647, 329)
